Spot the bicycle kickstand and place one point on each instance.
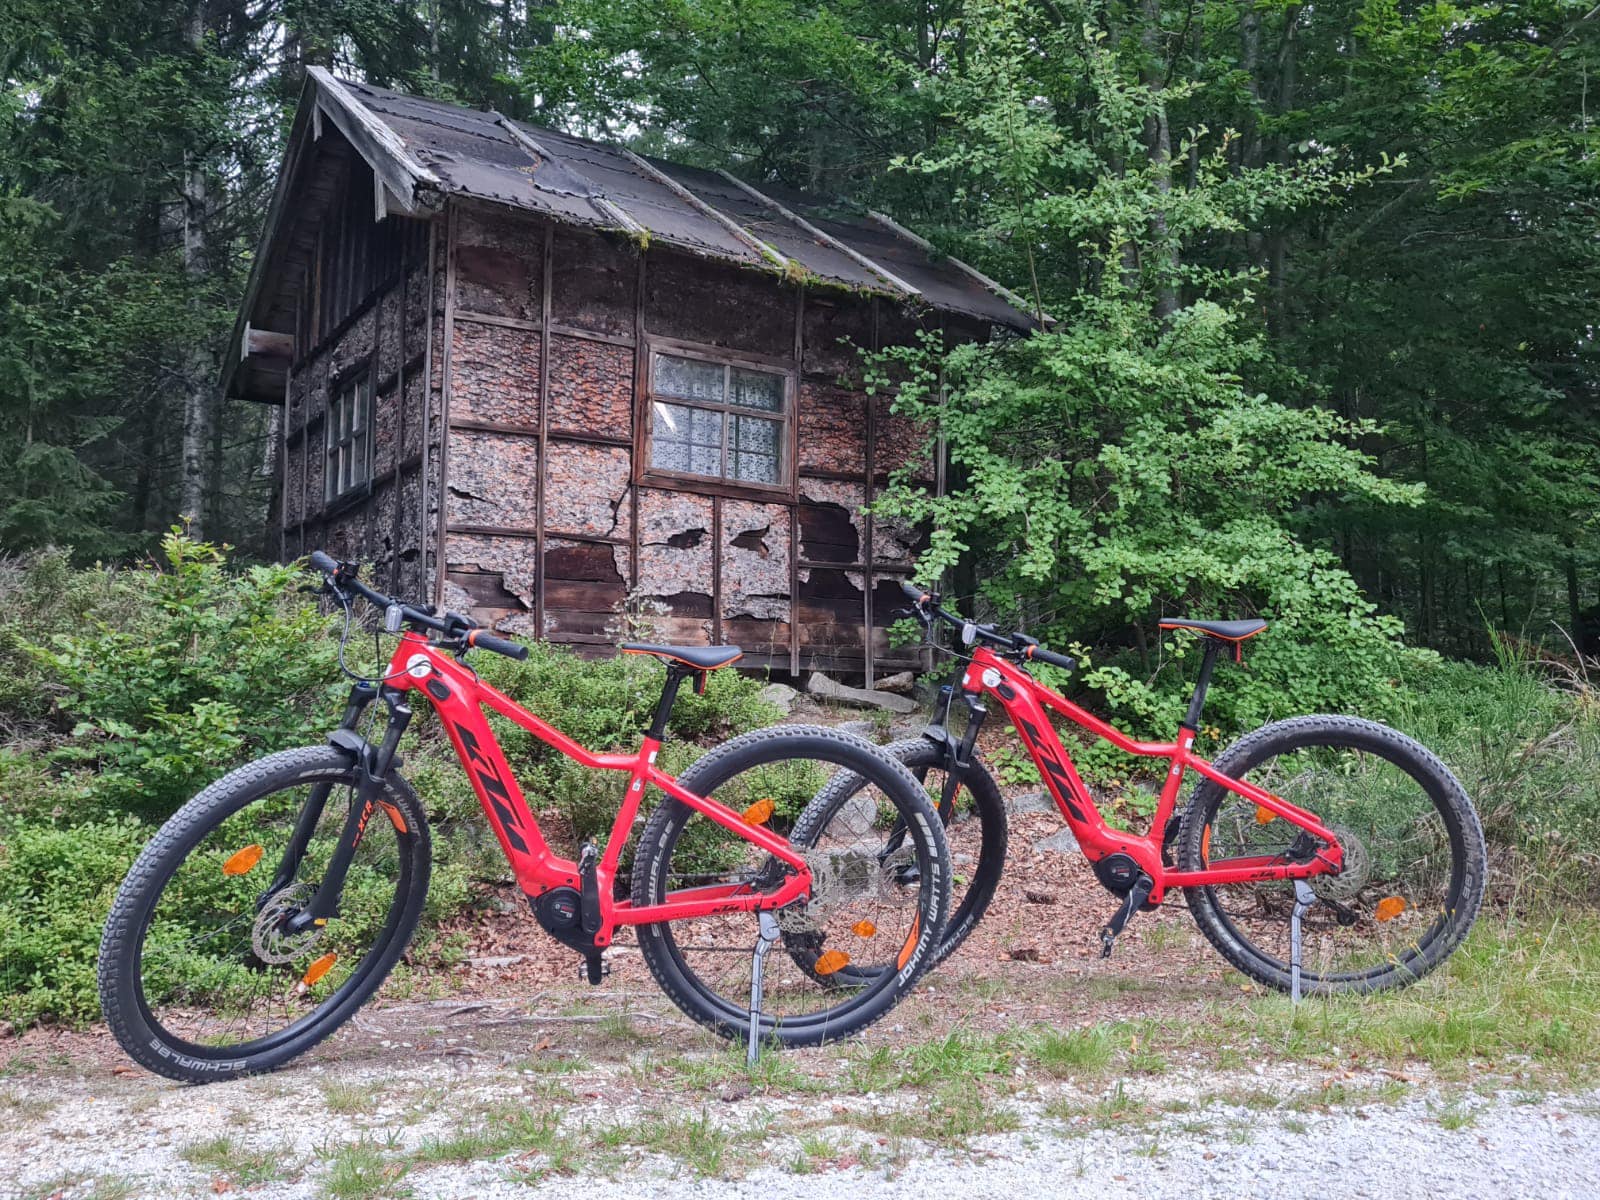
(1304, 898)
(758, 963)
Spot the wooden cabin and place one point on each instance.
(552, 382)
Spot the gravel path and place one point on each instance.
(99, 1134)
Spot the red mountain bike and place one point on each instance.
(270, 907)
(1321, 853)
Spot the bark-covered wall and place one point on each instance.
(551, 523)
(384, 337)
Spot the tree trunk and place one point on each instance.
(1158, 139)
(199, 401)
(1278, 239)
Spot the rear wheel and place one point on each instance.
(865, 905)
(1414, 856)
(200, 976)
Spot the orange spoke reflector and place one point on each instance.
(1205, 845)
(863, 929)
(831, 961)
(760, 812)
(1389, 908)
(318, 969)
(244, 861)
(396, 818)
(1265, 816)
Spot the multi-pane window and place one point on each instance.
(349, 437)
(718, 420)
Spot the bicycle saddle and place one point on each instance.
(1228, 631)
(701, 658)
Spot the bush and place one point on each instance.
(56, 885)
(173, 669)
(1524, 738)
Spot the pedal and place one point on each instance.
(593, 968)
(1134, 900)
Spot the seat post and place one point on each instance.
(669, 693)
(1191, 720)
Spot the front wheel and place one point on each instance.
(202, 976)
(862, 898)
(1414, 857)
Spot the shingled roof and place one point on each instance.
(425, 150)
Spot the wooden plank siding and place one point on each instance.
(509, 360)
(551, 522)
(363, 312)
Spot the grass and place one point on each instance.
(698, 1142)
(349, 1098)
(1520, 992)
(500, 1130)
(1076, 1052)
(364, 1170)
(242, 1166)
(952, 1115)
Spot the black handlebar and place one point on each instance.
(499, 645)
(1027, 649)
(341, 580)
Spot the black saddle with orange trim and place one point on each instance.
(701, 658)
(1228, 631)
(1235, 633)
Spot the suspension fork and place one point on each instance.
(372, 766)
(361, 697)
(957, 757)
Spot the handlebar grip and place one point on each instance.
(479, 639)
(912, 592)
(319, 561)
(1040, 654)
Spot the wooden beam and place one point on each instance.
(542, 467)
(721, 218)
(540, 154)
(827, 239)
(999, 289)
(265, 343)
(382, 148)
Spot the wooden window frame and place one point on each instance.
(356, 384)
(721, 485)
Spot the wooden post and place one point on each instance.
(794, 506)
(541, 468)
(451, 227)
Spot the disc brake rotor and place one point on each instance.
(839, 878)
(267, 936)
(1344, 887)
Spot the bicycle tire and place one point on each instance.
(684, 987)
(122, 997)
(1467, 853)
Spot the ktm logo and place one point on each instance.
(1059, 779)
(495, 788)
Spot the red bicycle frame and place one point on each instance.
(459, 696)
(1026, 700)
